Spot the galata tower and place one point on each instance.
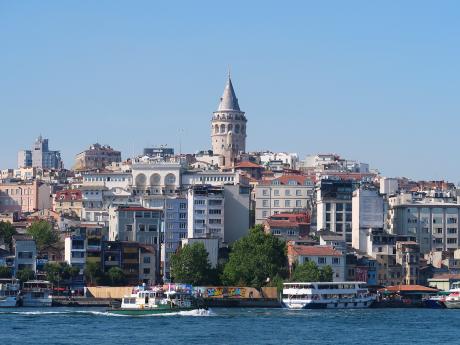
(228, 127)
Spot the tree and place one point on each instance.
(43, 234)
(191, 265)
(60, 272)
(326, 274)
(306, 272)
(116, 276)
(255, 258)
(5, 272)
(93, 273)
(25, 275)
(6, 232)
(309, 272)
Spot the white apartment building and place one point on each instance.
(367, 213)
(433, 222)
(206, 208)
(287, 193)
(334, 207)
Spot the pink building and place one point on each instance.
(24, 197)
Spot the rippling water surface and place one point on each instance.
(231, 326)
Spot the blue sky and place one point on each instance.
(373, 81)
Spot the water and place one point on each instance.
(231, 326)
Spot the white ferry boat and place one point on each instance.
(453, 300)
(9, 292)
(144, 300)
(37, 293)
(319, 295)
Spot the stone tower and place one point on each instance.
(228, 127)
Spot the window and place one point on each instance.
(287, 203)
(336, 261)
(183, 205)
(152, 227)
(451, 240)
(146, 259)
(146, 270)
(182, 225)
(129, 227)
(328, 206)
(276, 232)
(199, 221)
(339, 217)
(183, 235)
(321, 260)
(182, 215)
(199, 212)
(451, 230)
(287, 192)
(339, 207)
(298, 203)
(291, 232)
(215, 211)
(298, 192)
(276, 192)
(265, 192)
(138, 214)
(265, 203)
(200, 202)
(147, 215)
(141, 227)
(215, 221)
(276, 203)
(451, 220)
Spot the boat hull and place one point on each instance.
(152, 311)
(37, 302)
(328, 305)
(452, 304)
(8, 302)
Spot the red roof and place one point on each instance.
(247, 164)
(312, 251)
(68, 195)
(288, 220)
(407, 288)
(285, 180)
(134, 208)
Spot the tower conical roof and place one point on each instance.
(228, 101)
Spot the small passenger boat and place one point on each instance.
(453, 300)
(326, 295)
(37, 293)
(9, 292)
(145, 300)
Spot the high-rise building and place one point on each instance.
(228, 129)
(40, 156)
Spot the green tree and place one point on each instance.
(326, 274)
(6, 232)
(93, 273)
(255, 258)
(60, 272)
(25, 275)
(43, 234)
(310, 272)
(191, 265)
(116, 277)
(306, 272)
(5, 272)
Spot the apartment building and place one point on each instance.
(288, 193)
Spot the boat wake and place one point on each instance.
(196, 312)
